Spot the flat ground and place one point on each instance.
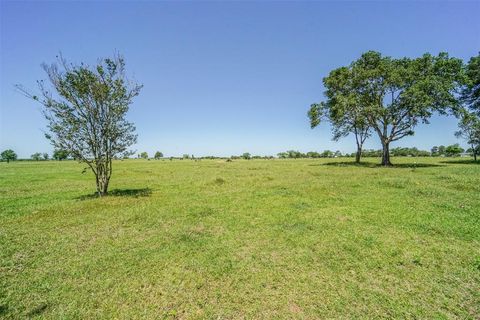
(242, 239)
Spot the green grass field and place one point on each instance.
(243, 239)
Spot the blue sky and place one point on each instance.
(223, 78)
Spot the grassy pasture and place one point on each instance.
(243, 239)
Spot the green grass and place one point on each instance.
(243, 239)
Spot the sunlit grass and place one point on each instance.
(242, 239)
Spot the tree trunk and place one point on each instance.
(102, 186)
(358, 155)
(103, 179)
(386, 154)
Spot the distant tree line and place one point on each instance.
(436, 151)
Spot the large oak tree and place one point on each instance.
(395, 95)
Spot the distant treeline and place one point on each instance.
(453, 150)
(436, 151)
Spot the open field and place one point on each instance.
(246, 239)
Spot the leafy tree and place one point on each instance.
(246, 156)
(313, 154)
(469, 124)
(396, 94)
(453, 150)
(144, 155)
(469, 129)
(441, 150)
(327, 154)
(471, 91)
(158, 155)
(86, 109)
(186, 156)
(45, 156)
(8, 155)
(344, 108)
(282, 155)
(434, 151)
(60, 154)
(36, 156)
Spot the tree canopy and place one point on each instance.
(393, 95)
(343, 108)
(8, 155)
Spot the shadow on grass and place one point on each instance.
(38, 310)
(377, 165)
(459, 161)
(134, 193)
(3, 309)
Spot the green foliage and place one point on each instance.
(8, 155)
(469, 129)
(45, 156)
(344, 108)
(246, 156)
(453, 150)
(394, 95)
(441, 150)
(158, 155)
(471, 91)
(60, 154)
(86, 108)
(411, 152)
(143, 155)
(36, 156)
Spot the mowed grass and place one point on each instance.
(243, 239)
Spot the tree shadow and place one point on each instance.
(38, 310)
(134, 193)
(3, 309)
(459, 161)
(377, 165)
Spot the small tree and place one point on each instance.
(246, 156)
(85, 109)
(344, 108)
(158, 155)
(45, 156)
(8, 155)
(36, 156)
(441, 150)
(59, 154)
(454, 150)
(144, 155)
(469, 129)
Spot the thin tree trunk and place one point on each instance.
(386, 154)
(358, 155)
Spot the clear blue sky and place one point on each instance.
(223, 78)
